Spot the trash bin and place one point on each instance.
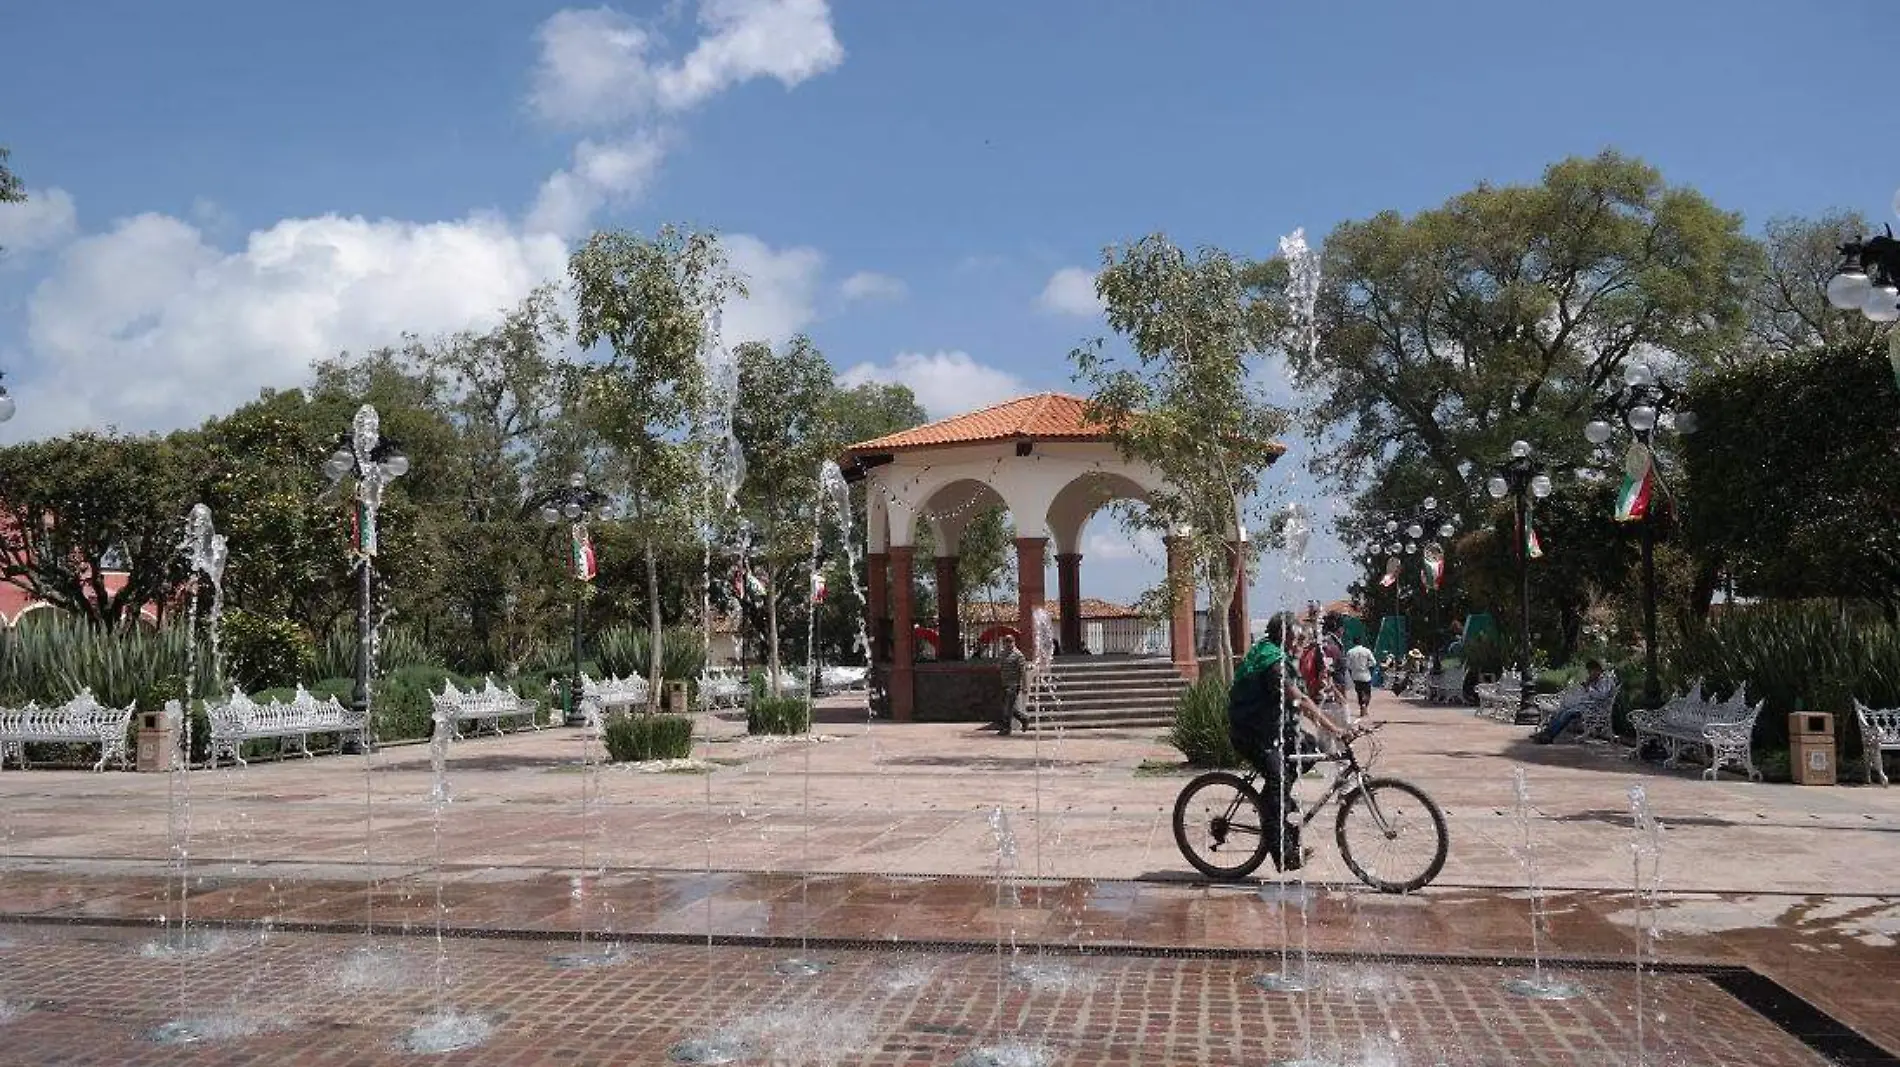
(158, 739)
(1811, 747)
(676, 698)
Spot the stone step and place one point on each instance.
(1100, 678)
(1112, 685)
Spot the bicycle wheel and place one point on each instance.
(1216, 817)
(1392, 835)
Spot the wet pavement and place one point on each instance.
(873, 848)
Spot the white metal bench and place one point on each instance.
(839, 679)
(1447, 686)
(722, 689)
(1726, 730)
(489, 705)
(80, 721)
(242, 719)
(1598, 722)
(1879, 732)
(599, 698)
(1500, 699)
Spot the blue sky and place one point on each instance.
(226, 189)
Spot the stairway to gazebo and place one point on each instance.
(1112, 692)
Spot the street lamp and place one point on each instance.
(1868, 278)
(1648, 406)
(375, 461)
(572, 503)
(1412, 534)
(1524, 478)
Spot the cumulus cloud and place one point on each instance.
(597, 66)
(601, 174)
(782, 287)
(945, 383)
(1071, 291)
(46, 219)
(869, 285)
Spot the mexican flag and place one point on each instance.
(817, 587)
(1432, 574)
(1533, 545)
(581, 553)
(362, 531)
(1639, 485)
(1391, 577)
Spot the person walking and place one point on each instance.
(1262, 729)
(1013, 667)
(1359, 668)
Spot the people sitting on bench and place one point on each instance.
(1570, 709)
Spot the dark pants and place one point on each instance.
(1364, 689)
(1256, 742)
(1010, 695)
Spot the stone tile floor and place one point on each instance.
(875, 842)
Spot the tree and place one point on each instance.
(79, 506)
(783, 426)
(1788, 312)
(651, 301)
(1184, 404)
(1506, 312)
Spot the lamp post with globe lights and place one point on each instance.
(1418, 534)
(374, 461)
(573, 503)
(1868, 279)
(1524, 478)
(1648, 407)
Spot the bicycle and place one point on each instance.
(1385, 803)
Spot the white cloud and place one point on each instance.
(782, 286)
(46, 219)
(945, 383)
(869, 285)
(597, 67)
(1117, 545)
(1071, 291)
(601, 174)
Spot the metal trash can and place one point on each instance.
(158, 739)
(1811, 747)
(676, 698)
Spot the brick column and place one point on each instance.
(1029, 591)
(1237, 608)
(903, 693)
(949, 623)
(1181, 624)
(877, 604)
(1069, 597)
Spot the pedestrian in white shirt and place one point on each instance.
(1359, 668)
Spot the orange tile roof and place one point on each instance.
(1042, 417)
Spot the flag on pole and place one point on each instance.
(1432, 574)
(817, 587)
(1534, 545)
(1639, 485)
(362, 531)
(1391, 578)
(581, 552)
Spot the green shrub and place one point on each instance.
(625, 652)
(633, 738)
(402, 701)
(265, 653)
(777, 715)
(1796, 657)
(1200, 724)
(56, 656)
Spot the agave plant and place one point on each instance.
(50, 659)
(625, 652)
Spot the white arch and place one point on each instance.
(1076, 503)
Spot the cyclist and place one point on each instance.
(1262, 730)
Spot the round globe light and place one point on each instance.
(1415, 531)
(1496, 487)
(1596, 431)
(1411, 548)
(1431, 503)
(571, 509)
(1883, 304)
(1520, 449)
(1447, 530)
(550, 514)
(1848, 289)
(396, 466)
(338, 464)
(1540, 486)
(7, 406)
(1391, 525)
(1639, 374)
(1642, 418)
(577, 480)
(1395, 548)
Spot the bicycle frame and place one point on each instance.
(1351, 777)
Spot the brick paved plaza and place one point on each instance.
(872, 850)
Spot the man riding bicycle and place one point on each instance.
(1263, 732)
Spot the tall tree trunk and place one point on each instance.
(655, 632)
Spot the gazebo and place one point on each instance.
(1052, 468)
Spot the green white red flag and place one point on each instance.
(581, 553)
(1639, 485)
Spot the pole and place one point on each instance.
(573, 716)
(1652, 684)
(359, 693)
(1524, 704)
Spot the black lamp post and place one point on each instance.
(1868, 279)
(572, 503)
(375, 461)
(1524, 478)
(1648, 406)
(1404, 536)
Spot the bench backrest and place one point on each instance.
(240, 714)
(82, 716)
(1879, 725)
